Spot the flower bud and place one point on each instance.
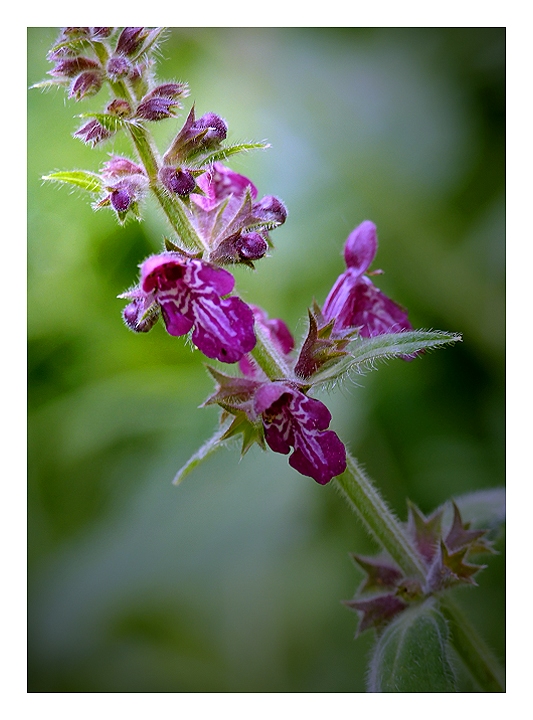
(130, 40)
(133, 316)
(118, 67)
(216, 128)
(68, 66)
(119, 108)
(177, 180)
(120, 166)
(251, 246)
(93, 132)
(270, 209)
(101, 32)
(86, 84)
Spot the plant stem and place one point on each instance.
(362, 496)
(378, 519)
(476, 656)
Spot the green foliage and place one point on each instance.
(412, 654)
(79, 178)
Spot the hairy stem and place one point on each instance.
(378, 519)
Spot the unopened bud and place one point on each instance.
(251, 246)
(86, 84)
(120, 166)
(137, 319)
(119, 108)
(72, 66)
(93, 132)
(118, 67)
(270, 209)
(130, 40)
(179, 181)
(216, 128)
(101, 32)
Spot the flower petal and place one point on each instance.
(361, 247)
(224, 329)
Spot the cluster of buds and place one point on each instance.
(446, 553)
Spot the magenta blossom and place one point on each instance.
(292, 419)
(354, 301)
(190, 295)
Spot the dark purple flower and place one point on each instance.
(354, 301)
(190, 294)
(294, 420)
(125, 193)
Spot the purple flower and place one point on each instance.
(190, 293)
(354, 301)
(219, 184)
(292, 419)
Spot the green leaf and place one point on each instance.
(207, 449)
(363, 352)
(224, 153)
(80, 178)
(412, 654)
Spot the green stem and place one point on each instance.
(269, 359)
(378, 519)
(476, 656)
(171, 206)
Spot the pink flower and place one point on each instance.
(190, 295)
(292, 419)
(354, 301)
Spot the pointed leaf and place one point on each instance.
(80, 178)
(412, 654)
(365, 351)
(225, 153)
(207, 449)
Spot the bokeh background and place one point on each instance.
(233, 581)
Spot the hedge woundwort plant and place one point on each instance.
(217, 219)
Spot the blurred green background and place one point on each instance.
(232, 582)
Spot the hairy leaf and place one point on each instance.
(80, 178)
(412, 654)
(363, 352)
